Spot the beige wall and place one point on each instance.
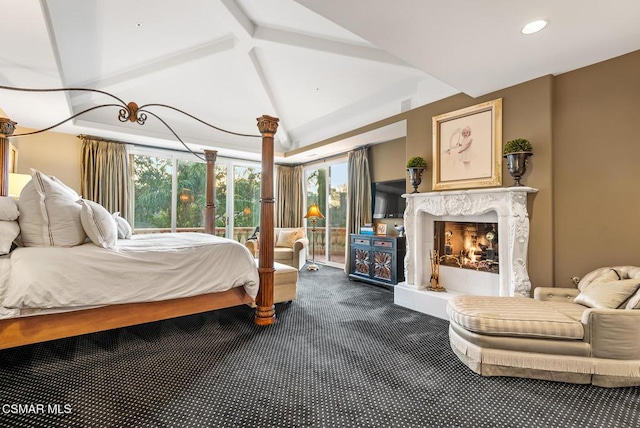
(596, 156)
(52, 153)
(527, 113)
(387, 160)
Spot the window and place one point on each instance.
(192, 187)
(170, 194)
(152, 188)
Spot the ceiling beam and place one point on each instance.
(268, 35)
(228, 13)
(282, 134)
(208, 49)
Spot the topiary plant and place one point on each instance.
(517, 145)
(416, 162)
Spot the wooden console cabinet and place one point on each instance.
(377, 259)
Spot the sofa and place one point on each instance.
(291, 245)
(586, 335)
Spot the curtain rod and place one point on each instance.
(337, 155)
(148, 146)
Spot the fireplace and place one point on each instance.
(503, 273)
(467, 245)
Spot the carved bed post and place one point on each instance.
(265, 310)
(7, 126)
(210, 208)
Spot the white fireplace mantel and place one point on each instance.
(510, 205)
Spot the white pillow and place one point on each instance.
(286, 238)
(49, 214)
(98, 223)
(124, 228)
(608, 294)
(9, 231)
(8, 208)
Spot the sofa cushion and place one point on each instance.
(282, 254)
(516, 316)
(608, 294)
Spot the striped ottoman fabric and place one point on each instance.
(516, 316)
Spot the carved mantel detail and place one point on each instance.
(510, 205)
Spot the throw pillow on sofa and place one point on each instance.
(286, 238)
(608, 293)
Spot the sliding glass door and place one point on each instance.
(326, 185)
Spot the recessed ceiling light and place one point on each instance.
(138, 24)
(534, 27)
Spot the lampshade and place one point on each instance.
(314, 211)
(17, 183)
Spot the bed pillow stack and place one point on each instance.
(99, 224)
(50, 216)
(9, 228)
(124, 228)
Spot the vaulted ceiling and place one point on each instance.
(323, 67)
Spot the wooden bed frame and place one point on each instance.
(39, 328)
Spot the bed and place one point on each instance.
(32, 316)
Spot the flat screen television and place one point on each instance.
(387, 198)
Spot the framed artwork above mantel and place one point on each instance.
(467, 147)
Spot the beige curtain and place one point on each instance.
(289, 196)
(358, 196)
(106, 175)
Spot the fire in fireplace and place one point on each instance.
(467, 245)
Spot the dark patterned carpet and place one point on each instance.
(341, 355)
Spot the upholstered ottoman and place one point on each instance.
(285, 283)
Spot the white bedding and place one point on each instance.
(142, 269)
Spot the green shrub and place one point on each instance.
(416, 162)
(517, 145)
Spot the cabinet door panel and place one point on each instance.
(361, 261)
(383, 266)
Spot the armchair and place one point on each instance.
(291, 246)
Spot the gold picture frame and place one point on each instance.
(467, 147)
(381, 229)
